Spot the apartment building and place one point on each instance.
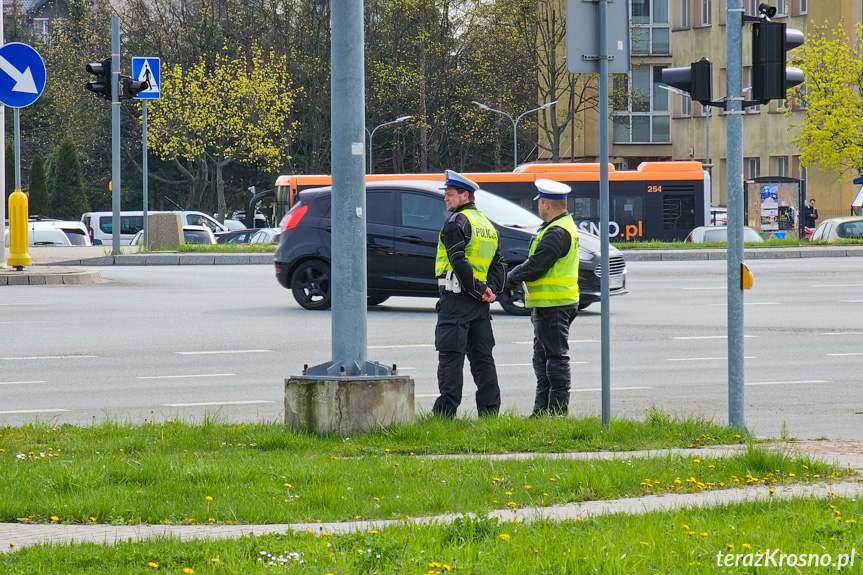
(655, 124)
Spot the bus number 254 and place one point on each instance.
(654, 189)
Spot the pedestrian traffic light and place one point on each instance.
(132, 87)
(771, 77)
(695, 79)
(101, 84)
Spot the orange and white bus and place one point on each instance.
(658, 201)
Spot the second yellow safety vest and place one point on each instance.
(559, 285)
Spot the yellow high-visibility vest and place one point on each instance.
(479, 251)
(559, 285)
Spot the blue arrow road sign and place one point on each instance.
(22, 75)
(149, 70)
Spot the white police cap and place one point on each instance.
(551, 190)
(456, 180)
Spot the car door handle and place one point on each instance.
(412, 239)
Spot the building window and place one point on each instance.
(747, 91)
(781, 8)
(782, 166)
(646, 118)
(650, 29)
(685, 105)
(706, 7)
(753, 168)
(803, 6)
(41, 29)
(685, 6)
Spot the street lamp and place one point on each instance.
(514, 124)
(372, 135)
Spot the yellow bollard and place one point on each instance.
(18, 217)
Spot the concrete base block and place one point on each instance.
(347, 405)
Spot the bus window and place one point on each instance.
(585, 209)
(628, 210)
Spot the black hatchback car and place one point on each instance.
(404, 220)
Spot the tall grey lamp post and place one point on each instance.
(372, 135)
(514, 124)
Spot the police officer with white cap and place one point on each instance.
(470, 274)
(550, 280)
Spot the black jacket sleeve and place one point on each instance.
(555, 244)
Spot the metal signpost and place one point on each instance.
(593, 47)
(22, 80)
(148, 70)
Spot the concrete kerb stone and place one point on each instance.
(158, 259)
(191, 260)
(14, 536)
(129, 261)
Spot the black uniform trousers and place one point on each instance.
(551, 357)
(464, 328)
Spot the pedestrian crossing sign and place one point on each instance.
(148, 70)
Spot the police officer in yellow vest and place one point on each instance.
(549, 277)
(470, 274)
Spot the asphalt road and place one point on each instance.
(186, 341)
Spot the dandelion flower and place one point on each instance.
(326, 533)
(188, 570)
(209, 497)
(747, 546)
(645, 543)
(288, 485)
(55, 518)
(504, 537)
(374, 531)
(153, 564)
(214, 560)
(704, 534)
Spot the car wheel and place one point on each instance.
(310, 284)
(512, 302)
(377, 299)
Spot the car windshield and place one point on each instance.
(505, 212)
(720, 235)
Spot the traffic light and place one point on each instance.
(101, 84)
(771, 78)
(132, 87)
(695, 79)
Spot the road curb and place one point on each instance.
(43, 275)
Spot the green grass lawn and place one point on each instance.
(683, 541)
(180, 473)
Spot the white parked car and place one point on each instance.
(100, 228)
(75, 231)
(191, 234)
(45, 237)
(266, 236)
